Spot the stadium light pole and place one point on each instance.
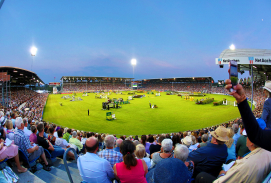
(133, 62)
(33, 52)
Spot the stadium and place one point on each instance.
(111, 127)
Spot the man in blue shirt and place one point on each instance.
(236, 135)
(118, 142)
(211, 157)
(92, 168)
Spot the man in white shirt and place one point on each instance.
(92, 168)
(26, 131)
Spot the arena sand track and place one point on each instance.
(172, 115)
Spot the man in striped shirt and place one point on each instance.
(109, 154)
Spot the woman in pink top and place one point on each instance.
(131, 170)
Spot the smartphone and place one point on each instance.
(233, 74)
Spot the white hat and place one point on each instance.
(1, 113)
(187, 140)
(267, 86)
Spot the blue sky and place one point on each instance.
(99, 38)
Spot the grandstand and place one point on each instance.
(90, 83)
(25, 102)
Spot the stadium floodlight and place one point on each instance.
(133, 62)
(232, 47)
(33, 52)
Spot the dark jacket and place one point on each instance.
(209, 159)
(255, 134)
(266, 115)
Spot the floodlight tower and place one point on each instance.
(33, 52)
(133, 62)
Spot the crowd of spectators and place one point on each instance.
(91, 87)
(191, 155)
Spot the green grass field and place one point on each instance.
(172, 115)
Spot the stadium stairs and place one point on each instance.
(58, 174)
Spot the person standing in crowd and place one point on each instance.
(266, 115)
(254, 132)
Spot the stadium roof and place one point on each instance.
(183, 79)
(92, 78)
(258, 59)
(19, 76)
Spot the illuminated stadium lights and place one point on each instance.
(15, 71)
(133, 61)
(33, 51)
(232, 47)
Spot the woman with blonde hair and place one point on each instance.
(140, 153)
(230, 145)
(10, 130)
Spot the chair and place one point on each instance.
(26, 160)
(267, 179)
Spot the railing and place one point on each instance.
(66, 164)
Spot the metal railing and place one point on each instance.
(66, 164)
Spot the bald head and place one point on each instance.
(118, 142)
(92, 145)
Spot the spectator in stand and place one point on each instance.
(141, 154)
(29, 121)
(46, 144)
(13, 117)
(194, 144)
(230, 146)
(33, 136)
(26, 131)
(91, 167)
(241, 147)
(10, 130)
(145, 143)
(84, 138)
(51, 136)
(210, 158)
(187, 141)
(109, 154)
(200, 135)
(166, 152)
(118, 142)
(204, 139)
(32, 152)
(63, 143)
(67, 135)
(181, 152)
(176, 140)
(75, 141)
(236, 134)
(157, 147)
(255, 133)
(11, 152)
(168, 171)
(252, 168)
(266, 115)
(131, 170)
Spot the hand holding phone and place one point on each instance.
(233, 74)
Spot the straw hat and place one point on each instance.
(220, 134)
(267, 86)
